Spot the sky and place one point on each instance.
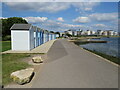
(61, 16)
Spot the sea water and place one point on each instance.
(109, 48)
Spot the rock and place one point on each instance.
(37, 59)
(22, 76)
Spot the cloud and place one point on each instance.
(104, 16)
(39, 6)
(81, 20)
(3, 17)
(60, 19)
(58, 26)
(52, 7)
(35, 19)
(100, 25)
(86, 6)
(98, 17)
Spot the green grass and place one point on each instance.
(6, 45)
(11, 63)
(111, 58)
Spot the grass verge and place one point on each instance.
(6, 45)
(11, 63)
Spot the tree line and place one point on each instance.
(6, 24)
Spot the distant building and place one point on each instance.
(70, 32)
(88, 32)
(79, 32)
(75, 33)
(105, 33)
(110, 32)
(115, 33)
(100, 32)
(83, 33)
(91, 32)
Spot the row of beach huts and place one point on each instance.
(25, 37)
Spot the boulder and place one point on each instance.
(37, 59)
(22, 76)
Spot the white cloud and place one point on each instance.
(35, 19)
(100, 25)
(39, 6)
(60, 19)
(98, 17)
(52, 6)
(81, 20)
(104, 16)
(83, 7)
(58, 26)
(72, 26)
(3, 17)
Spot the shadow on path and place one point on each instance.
(56, 52)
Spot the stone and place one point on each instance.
(37, 59)
(22, 76)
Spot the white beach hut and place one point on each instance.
(35, 40)
(22, 37)
(39, 36)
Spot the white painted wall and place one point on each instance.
(44, 38)
(70, 32)
(31, 38)
(53, 36)
(38, 38)
(35, 39)
(49, 37)
(75, 33)
(57, 35)
(20, 40)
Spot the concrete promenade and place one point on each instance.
(69, 66)
(44, 48)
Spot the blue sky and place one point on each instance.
(64, 16)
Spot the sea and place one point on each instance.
(112, 47)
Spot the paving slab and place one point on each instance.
(44, 48)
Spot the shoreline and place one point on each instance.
(112, 59)
(108, 57)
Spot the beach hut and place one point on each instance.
(57, 35)
(50, 36)
(53, 36)
(45, 36)
(22, 37)
(35, 36)
(39, 36)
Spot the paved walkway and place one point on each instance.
(69, 66)
(44, 48)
